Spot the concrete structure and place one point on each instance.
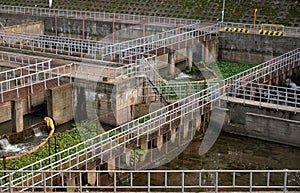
(32, 27)
(265, 122)
(17, 115)
(253, 49)
(59, 103)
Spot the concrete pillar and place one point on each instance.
(59, 103)
(70, 182)
(171, 62)
(144, 147)
(189, 57)
(29, 103)
(203, 50)
(173, 135)
(111, 165)
(198, 120)
(92, 177)
(17, 115)
(159, 142)
(185, 126)
(127, 157)
(277, 80)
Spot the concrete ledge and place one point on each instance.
(273, 129)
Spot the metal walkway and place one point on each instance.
(246, 85)
(33, 75)
(105, 146)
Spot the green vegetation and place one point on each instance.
(136, 155)
(80, 132)
(191, 70)
(143, 119)
(228, 69)
(167, 92)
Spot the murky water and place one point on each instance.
(237, 152)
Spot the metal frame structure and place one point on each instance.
(106, 145)
(187, 180)
(290, 31)
(262, 93)
(98, 16)
(32, 71)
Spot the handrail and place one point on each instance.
(98, 16)
(41, 76)
(135, 129)
(290, 31)
(213, 180)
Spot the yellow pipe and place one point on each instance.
(254, 22)
(50, 124)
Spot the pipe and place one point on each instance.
(50, 123)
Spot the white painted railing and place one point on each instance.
(98, 16)
(161, 180)
(20, 59)
(290, 31)
(32, 75)
(108, 144)
(265, 93)
(171, 39)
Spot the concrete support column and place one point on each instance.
(171, 62)
(185, 126)
(29, 103)
(159, 142)
(111, 165)
(173, 135)
(70, 182)
(127, 157)
(203, 50)
(198, 120)
(59, 103)
(17, 115)
(144, 147)
(189, 57)
(91, 177)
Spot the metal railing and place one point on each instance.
(52, 44)
(108, 144)
(24, 70)
(20, 59)
(172, 39)
(290, 31)
(98, 16)
(161, 180)
(265, 71)
(31, 77)
(263, 93)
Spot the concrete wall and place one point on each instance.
(253, 49)
(28, 104)
(59, 103)
(33, 27)
(273, 128)
(264, 123)
(113, 103)
(65, 26)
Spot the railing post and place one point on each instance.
(182, 182)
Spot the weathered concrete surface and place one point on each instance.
(253, 49)
(17, 115)
(112, 103)
(32, 27)
(273, 128)
(28, 105)
(282, 125)
(59, 103)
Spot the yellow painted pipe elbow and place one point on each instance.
(50, 124)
